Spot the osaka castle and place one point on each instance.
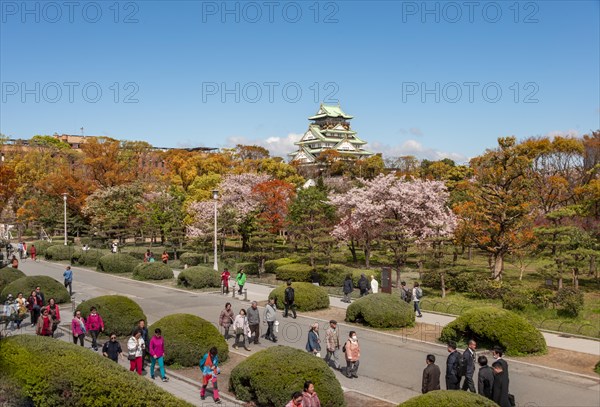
(329, 130)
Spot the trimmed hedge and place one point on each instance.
(49, 286)
(307, 296)
(88, 258)
(271, 265)
(60, 252)
(269, 377)
(199, 277)
(40, 247)
(191, 259)
(47, 372)
(8, 275)
(188, 338)
(494, 326)
(334, 274)
(120, 314)
(381, 311)
(117, 263)
(250, 268)
(152, 271)
(448, 398)
(294, 272)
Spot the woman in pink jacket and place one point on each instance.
(157, 353)
(94, 326)
(78, 328)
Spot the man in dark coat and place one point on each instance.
(497, 353)
(288, 300)
(485, 379)
(431, 375)
(469, 360)
(363, 285)
(500, 386)
(452, 378)
(348, 288)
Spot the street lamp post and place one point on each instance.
(65, 214)
(215, 195)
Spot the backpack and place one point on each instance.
(419, 293)
(407, 295)
(344, 347)
(461, 366)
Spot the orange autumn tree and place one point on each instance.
(274, 197)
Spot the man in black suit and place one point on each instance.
(497, 353)
(485, 378)
(469, 360)
(452, 378)
(431, 375)
(500, 386)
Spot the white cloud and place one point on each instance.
(562, 133)
(277, 146)
(415, 131)
(413, 147)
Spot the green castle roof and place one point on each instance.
(330, 111)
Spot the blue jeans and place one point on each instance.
(161, 366)
(417, 309)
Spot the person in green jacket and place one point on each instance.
(240, 278)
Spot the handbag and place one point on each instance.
(239, 331)
(131, 356)
(318, 354)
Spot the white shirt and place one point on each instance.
(374, 286)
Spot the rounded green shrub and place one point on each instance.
(47, 372)
(569, 301)
(41, 246)
(491, 326)
(140, 252)
(188, 338)
(88, 258)
(60, 252)
(49, 286)
(448, 398)
(271, 265)
(516, 299)
(270, 376)
(294, 272)
(250, 268)
(8, 275)
(334, 274)
(191, 259)
(199, 277)
(120, 314)
(117, 263)
(381, 311)
(152, 271)
(307, 297)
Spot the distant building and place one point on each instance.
(329, 130)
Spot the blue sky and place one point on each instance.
(431, 79)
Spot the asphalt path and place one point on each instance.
(390, 366)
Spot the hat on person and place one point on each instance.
(10, 297)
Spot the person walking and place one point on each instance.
(43, 326)
(40, 295)
(164, 257)
(94, 325)
(288, 300)
(469, 361)
(347, 289)
(78, 328)
(20, 250)
(485, 379)
(14, 263)
(405, 293)
(34, 305)
(209, 366)
(114, 247)
(241, 329)
(269, 317)
(352, 352)
(135, 352)
(157, 353)
(431, 375)
(497, 353)
(21, 303)
(374, 285)
(313, 344)
(33, 252)
(240, 279)
(226, 319)
(225, 276)
(54, 314)
(417, 294)
(500, 386)
(254, 321)
(363, 285)
(452, 373)
(296, 400)
(147, 256)
(332, 340)
(141, 325)
(10, 311)
(309, 395)
(68, 277)
(112, 348)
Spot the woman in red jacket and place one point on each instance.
(54, 314)
(34, 306)
(44, 324)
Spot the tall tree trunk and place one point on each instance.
(443, 282)
(576, 278)
(245, 240)
(498, 266)
(353, 251)
(470, 253)
(521, 271)
(367, 253)
(592, 266)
